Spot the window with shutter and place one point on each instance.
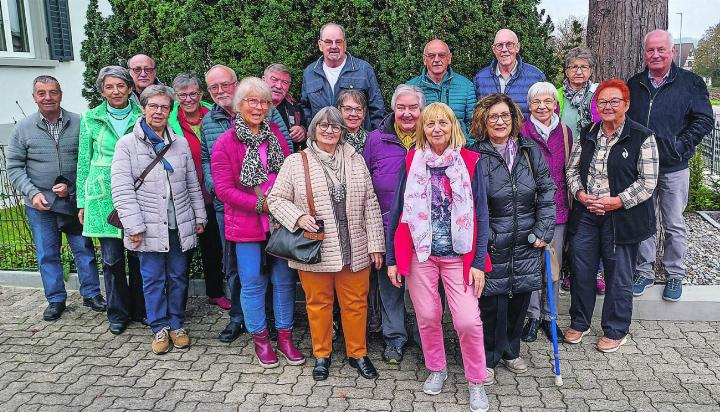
(58, 28)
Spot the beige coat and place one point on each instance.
(288, 201)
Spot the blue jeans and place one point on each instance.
(48, 238)
(165, 285)
(255, 283)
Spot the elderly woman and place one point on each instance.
(384, 155)
(554, 139)
(161, 210)
(577, 109)
(522, 221)
(100, 129)
(612, 175)
(438, 231)
(353, 106)
(346, 203)
(245, 162)
(185, 118)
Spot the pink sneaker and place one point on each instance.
(600, 284)
(566, 283)
(222, 302)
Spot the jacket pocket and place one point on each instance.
(351, 82)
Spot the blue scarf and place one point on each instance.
(157, 143)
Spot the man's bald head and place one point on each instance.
(506, 47)
(437, 59)
(505, 35)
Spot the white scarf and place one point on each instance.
(543, 130)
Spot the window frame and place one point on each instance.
(4, 4)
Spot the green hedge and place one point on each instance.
(192, 35)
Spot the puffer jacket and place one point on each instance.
(455, 90)
(242, 222)
(486, 83)
(520, 203)
(384, 156)
(145, 210)
(213, 125)
(288, 201)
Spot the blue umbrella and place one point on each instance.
(553, 318)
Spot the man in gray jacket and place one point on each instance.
(41, 165)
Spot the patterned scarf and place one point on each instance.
(357, 140)
(157, 143)
(418, 196)
(253, 173)
(579, 101)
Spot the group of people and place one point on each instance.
(454, 194)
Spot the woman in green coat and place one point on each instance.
(100, 129)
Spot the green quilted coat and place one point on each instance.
(95, 154)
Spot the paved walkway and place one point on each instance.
(76, 364)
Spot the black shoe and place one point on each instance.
(53, 311)
(530, 330)
(393, 355)
(231, 332)
(546, 327)
(97, 303)
(140, 319)
(321, 370)
(117, 328)
(365, 367)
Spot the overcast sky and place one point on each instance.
(698, 15)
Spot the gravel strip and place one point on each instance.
(703, 255)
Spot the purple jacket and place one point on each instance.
(554, 151)
(384, 156)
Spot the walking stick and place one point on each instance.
(553, 318)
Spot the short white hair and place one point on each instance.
(408, 89)
(540, 88)
(665, 32)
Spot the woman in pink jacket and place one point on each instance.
(245, 162)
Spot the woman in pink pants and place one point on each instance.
(438, 230)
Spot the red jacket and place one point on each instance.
(194, 144)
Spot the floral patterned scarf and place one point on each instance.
(253, 173)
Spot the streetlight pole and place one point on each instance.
(681, 42)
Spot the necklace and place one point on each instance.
(337, 190)
(121, 117)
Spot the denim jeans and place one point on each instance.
(48, 238)
(254, 286)
(165, 285)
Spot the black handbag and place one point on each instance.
(300, 245)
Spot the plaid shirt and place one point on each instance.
(598, 183)
(662, 81)
(53, 128)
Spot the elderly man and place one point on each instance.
(221, 83)
(440, 83)
(675, 105)
(143, 72)
(287, 112)
(507, 73)
(337, 70)
(41, 164)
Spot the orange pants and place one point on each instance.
(352, 290)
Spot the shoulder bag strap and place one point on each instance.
(140, 180)
(567, 144)
(308, 186)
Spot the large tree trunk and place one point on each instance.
(615, 33)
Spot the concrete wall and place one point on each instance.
(17, 74)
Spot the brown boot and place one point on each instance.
(180, 338)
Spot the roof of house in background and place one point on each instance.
(685, 49)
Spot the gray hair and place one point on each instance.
(352, 94)
(113, 71)
(580, 53)
(408, 88)
(665, 32)
(540, 88)
(276, 67)
(326, 25)
(156, 90)
(248, 85)
(45, 79)
(222, 66)
(326, 114)
(184, 80)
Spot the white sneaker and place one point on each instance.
(516, 365)
(434, 383)
(490, 379)
(478, 398)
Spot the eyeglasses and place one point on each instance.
(138, 70)
(432, 56)
(506, 117)
(546, 102)
(575, 67)
(225, 86)
(324, 127)
(338, 42)
(614, 103)
(257, 103)
(352, 110)
(402, 107)
(185, 96)
(283, 82)
(154, 107)
(507, 45)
